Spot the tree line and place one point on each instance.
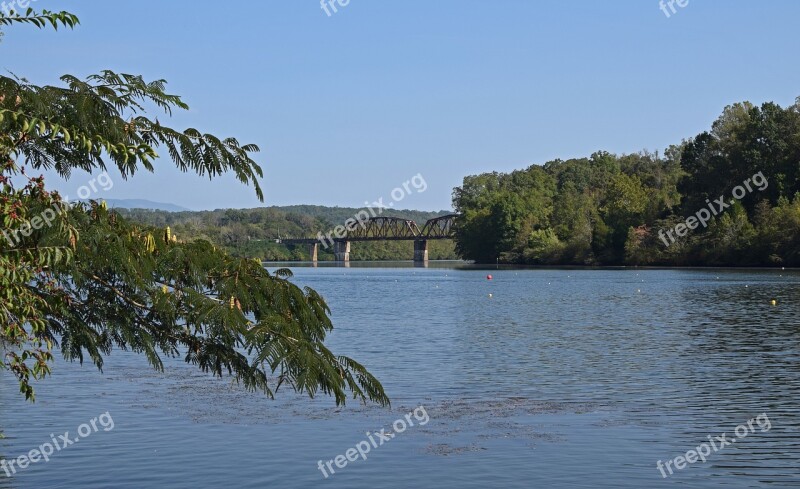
(611, 209)
(251, 233)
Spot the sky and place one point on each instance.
(349, 106)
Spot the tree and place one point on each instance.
(624, 205)
(573, 216)
(543, 247)
(729, 237)
(84, 279)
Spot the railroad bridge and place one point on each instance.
(380, 229)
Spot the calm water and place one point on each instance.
(562, 379)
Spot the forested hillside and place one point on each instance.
(649, 209)
(252, 232)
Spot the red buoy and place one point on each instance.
(489, 277)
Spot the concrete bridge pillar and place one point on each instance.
(421, 251)
(341, 250)
(313, 250)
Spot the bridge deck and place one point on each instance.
(351, 240)
(387, 229)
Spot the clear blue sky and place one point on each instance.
(348, 107)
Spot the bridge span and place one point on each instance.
(379, 229)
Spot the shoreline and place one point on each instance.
(478, 266)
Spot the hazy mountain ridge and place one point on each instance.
(144, 204)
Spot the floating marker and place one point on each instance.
(489, 277)
(490, 296)
(774, 302)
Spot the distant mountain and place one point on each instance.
(144, 204)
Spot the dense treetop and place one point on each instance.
(613, 210)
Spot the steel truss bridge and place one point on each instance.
(381, 229)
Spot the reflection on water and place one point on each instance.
(563, 378)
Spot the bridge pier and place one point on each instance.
(341, 250)
(313, 250)
(421, 251)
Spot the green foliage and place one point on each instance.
(86, 280)
(544, 247)
(251, 233)
(609, 209)
(499, 211)
(40, 20)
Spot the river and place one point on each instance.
(537, 378)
